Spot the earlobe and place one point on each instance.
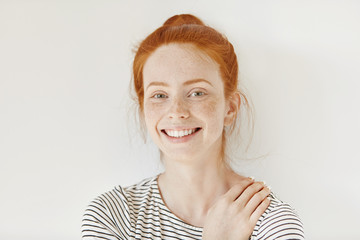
(233, 106)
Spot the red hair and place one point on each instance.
(186, 28)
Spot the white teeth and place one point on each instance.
(178, 134)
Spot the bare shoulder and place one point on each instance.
(235, 178)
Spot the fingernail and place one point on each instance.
(269, 187)
(252, 178)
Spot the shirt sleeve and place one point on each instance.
(280, 222)
(102, 219)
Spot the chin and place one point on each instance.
(179, 155)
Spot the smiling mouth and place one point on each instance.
(180, 133)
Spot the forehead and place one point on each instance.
(179, 62)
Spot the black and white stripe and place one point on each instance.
(138, 212)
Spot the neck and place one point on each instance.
(189, 190)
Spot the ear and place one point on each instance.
(232, 108)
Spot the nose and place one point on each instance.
(178, 109)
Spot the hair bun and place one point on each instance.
(183, 19)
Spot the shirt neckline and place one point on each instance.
(162, 202)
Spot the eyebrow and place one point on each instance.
(189, 82)
(196, 81)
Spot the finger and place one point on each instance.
(237, 189)
(248, 193)
(259, 211)
(256, 200)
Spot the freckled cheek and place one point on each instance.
(212, 111)
(152, 114)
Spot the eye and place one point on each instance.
(197, 94)
(159, 95)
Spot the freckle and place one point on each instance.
(210, 107)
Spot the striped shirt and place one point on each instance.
(138, 212)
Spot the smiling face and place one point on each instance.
(184, 105)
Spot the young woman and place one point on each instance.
(186, 81)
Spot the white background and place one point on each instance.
(67, 132)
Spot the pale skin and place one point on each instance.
(183, 90)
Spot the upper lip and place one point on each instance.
(180, 128)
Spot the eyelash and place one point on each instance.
(157, 94)
(202, 93)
